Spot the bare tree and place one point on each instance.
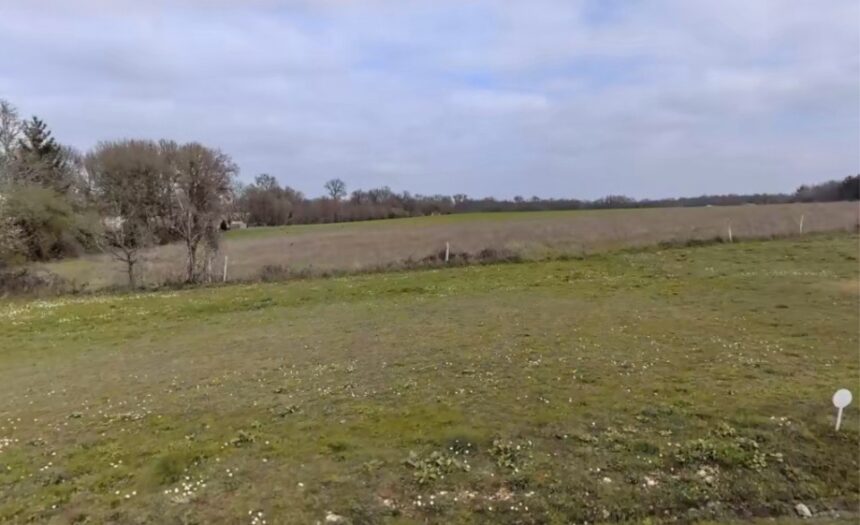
(336, 189)
(11, 236)
(202, 181)
(10, 133)
(129, 181)
(10, 130)
(266, 182)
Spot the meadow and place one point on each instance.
(661, 385)
(313, 250)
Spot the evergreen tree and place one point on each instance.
(41, 159)
(38, 143)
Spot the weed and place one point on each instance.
(242, 438)
(727, 449)
(435, 466)
(510, 455)
(171, 466)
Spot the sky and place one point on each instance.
(555, 98)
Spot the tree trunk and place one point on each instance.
(192, 262)
(191, 246)
(131, 278)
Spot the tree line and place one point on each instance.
(124, 196)
(120, 197)
(266, 203)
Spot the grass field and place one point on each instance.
(361, 246)
(671, 385)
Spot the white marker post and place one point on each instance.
(801, 224)
(225, 269)
(447, 250)
(841, 399)
(730, 233)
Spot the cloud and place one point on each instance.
(551, 97)
(495, 102)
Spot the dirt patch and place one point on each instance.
(846, 286)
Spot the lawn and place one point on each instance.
(677, 384)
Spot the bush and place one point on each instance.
(494, 255)
(485, 256)
(23, 281)
(50, 224)
(273, 272)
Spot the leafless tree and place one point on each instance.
(11, 236)
(129, 181)
(202, 181)
(336, 189)
(10, 132)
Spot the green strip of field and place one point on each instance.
(430, 220)
(675, 384)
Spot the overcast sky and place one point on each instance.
(503, 97)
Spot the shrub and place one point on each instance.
(24, 281)
(274, 272)
(50, 224)
(496, 255)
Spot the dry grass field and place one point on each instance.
(352, 247)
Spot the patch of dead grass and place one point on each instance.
(317, 250)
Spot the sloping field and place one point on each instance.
(679, 384)
(350, 247)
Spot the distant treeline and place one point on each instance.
(266, 203)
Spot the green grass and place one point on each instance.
(688, 383)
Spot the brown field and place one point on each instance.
(355, 247)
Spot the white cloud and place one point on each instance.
(494, 102)
(554, 97)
